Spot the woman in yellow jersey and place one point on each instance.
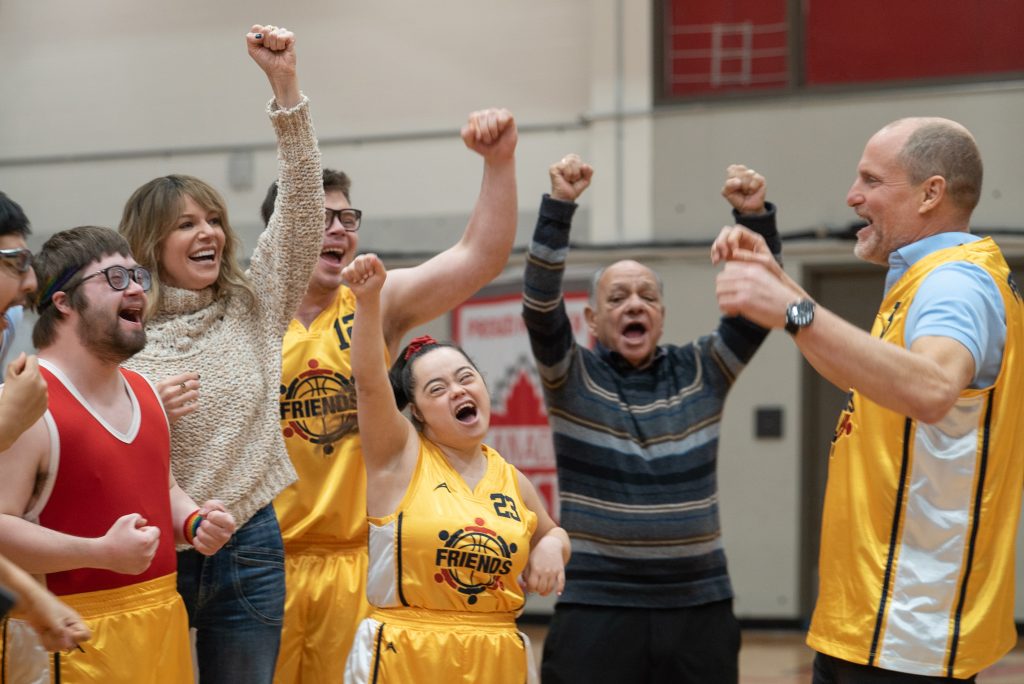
(456, 533)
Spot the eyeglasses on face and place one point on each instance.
(18, 258)
(119, 277)
(349, 218)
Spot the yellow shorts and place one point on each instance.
(404, 645)
(139, 635)
(325, 600)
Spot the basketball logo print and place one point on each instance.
(473, 560)
(319, 405)
(845, 425)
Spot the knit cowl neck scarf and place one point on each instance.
(184, 317)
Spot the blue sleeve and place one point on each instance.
(962, 302)
(12, 320)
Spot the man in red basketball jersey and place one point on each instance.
(86, 494)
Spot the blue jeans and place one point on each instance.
(235, 601)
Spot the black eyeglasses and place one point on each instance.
(19, 258)
(349, 218)
(119, 277)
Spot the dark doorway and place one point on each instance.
(853, 292)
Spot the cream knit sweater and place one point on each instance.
(230, 448)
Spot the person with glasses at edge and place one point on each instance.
(47, 622)
(17, 259)
(13, 221)
(23, 399)
(209, 319)
(323, 514)
(87, 498)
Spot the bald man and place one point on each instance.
(925, 470)
(635, 424)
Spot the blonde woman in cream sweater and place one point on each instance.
(213, 326)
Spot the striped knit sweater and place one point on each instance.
(636, 449)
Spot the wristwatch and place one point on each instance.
(799, 315)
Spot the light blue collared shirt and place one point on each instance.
(958, 300)
(13, 319)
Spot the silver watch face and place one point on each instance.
(803, 312)
(799, 314)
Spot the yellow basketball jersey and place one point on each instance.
(449, 548)
(326, 506)
(917, 548)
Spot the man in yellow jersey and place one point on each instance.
(323, 515)
(925, 471)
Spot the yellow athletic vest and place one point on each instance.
(326, 506)
(917, 545)
(448, 548)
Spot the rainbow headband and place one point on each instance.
(55, 285)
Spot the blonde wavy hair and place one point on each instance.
(152, 213)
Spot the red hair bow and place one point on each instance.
(418, 343)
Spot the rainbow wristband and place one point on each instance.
(191, 526)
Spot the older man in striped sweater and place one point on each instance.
(636, 425)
